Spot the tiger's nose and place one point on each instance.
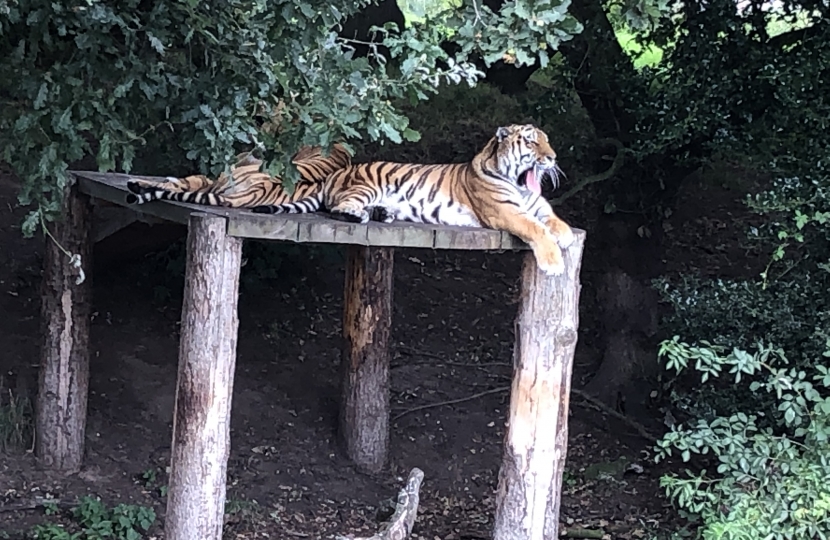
(548, 161)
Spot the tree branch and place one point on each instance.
(639, 428)
(400, 524)
(605, 175)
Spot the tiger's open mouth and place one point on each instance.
(533, 177)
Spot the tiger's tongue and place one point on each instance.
(532, 182)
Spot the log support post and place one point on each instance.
(535, 445)
(66, 300)
(207, 357)
(367, 317)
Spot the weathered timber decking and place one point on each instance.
(320, 228)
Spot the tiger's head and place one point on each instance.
(522, 155)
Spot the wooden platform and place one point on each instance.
(535, 444)
(307, 228)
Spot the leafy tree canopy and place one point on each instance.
(106, 78)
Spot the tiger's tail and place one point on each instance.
(144, 194)
(309, 204)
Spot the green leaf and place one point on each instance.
(40, 99)
(156, 43)
(411, 135)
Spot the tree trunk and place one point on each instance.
(630, 319)
(535, 445)
(600, 65)
(207, 357)
(367, 317)
(65, 318)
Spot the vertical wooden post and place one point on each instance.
(535, 445)
(207, 357)
(65, 312)
(367, 317)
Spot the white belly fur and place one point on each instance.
(456, 215)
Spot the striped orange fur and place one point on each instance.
(247, 185)
(500, 188)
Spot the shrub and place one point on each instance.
(772, 482)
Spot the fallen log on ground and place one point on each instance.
(400, 524)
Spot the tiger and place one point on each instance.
(249, 185)
(500, 188)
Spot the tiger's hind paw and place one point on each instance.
(266, 209)
(135, 187)
(141, 193)
(382, 214)
(349, 215)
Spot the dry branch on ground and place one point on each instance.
(400, 524)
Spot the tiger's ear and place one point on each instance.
(502, 134)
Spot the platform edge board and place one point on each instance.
(321, 229)
(332, 231)
(261, 227)
(112, 187)
(510, 241)
(467, 238)
(400, 234)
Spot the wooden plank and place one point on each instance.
(244, 224)
(467, 238)
(109, 219)
(535, 444)
(509, 241)
(327, 230)
(113, 188)
(400, 234)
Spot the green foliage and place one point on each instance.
(454, 125)
(729, 91)
(521, 32)
(769, 121)
(152, 481)
(726, 89)
(644, 56)
(771, 482)
(16, 421)
(419, 11)
(208, 78)
(741, 312)
(738, 313)
(93, 520)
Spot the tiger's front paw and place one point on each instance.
(565, 237)
(549, 258)
(563, 233)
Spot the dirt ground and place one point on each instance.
(452, 339)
